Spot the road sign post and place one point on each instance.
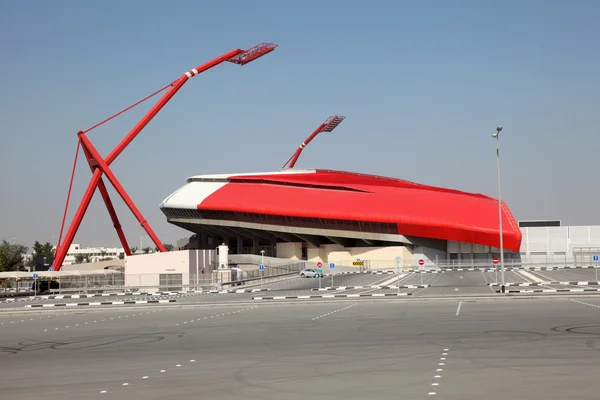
(398, 259)
(421, 263)
(319, 266)
(261, 267)
(35, 283)
(331, 267)
(495, 261)
(596, 267)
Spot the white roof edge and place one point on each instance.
(280, 172)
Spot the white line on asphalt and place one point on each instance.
(458, 309)
(584, 303)
(192, 360)
(438, 370)
(341, 309)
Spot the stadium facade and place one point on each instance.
(336, 216)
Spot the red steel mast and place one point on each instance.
(329, 125)
(101, 166)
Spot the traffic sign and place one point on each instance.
(35, 276)
(421, 262)
(261, 267)
(495, 260)
(331, 265)
(319, 264)
(595, 258)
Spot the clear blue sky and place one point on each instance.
(423, 85)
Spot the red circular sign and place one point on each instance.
(495, 260)
(421, 262)
(319, 264)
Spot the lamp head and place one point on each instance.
(498, 129)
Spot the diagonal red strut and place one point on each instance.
(107, 201)
(100, 166)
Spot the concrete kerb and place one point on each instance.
(263, 303)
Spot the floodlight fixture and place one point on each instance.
(252, 53)
(329, 125)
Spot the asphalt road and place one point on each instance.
(451, 283)
(492, 349)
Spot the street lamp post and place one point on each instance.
(496, 135)
(262, 262)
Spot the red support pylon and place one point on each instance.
(109, 205)
(101, 166)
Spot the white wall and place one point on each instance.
(293, 251)
(195, 267)
(543, 244)
(375, 257)
(429, 255)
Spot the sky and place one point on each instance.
(423, 85)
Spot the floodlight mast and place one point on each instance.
(101, 166)
(329, 125)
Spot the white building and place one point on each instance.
(94, 254)
(544, 242)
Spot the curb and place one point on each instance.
(551, 290)
(574, 283)
(100, 303)
(369, 287)
(331, 296)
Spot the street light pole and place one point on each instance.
(496, 135)
(262, 262)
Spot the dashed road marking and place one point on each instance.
(584, 303)
(438, 371)
(332, 312)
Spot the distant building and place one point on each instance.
(94, 254)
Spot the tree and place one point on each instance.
(133, 250)
(11, 256)
(146, 250)
(168, 247)
(43, 250)
(79, 257)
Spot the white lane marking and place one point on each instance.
(532, 278)
(586, 304)
(103, 391)
(458, 309)
(341, 309)
(439, 376)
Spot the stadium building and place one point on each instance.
(336, 216)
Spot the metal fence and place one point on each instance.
(550, 261)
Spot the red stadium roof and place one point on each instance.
(417, 210)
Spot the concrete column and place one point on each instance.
(255, 247)
(240, 245)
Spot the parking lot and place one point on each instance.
(467, 349)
